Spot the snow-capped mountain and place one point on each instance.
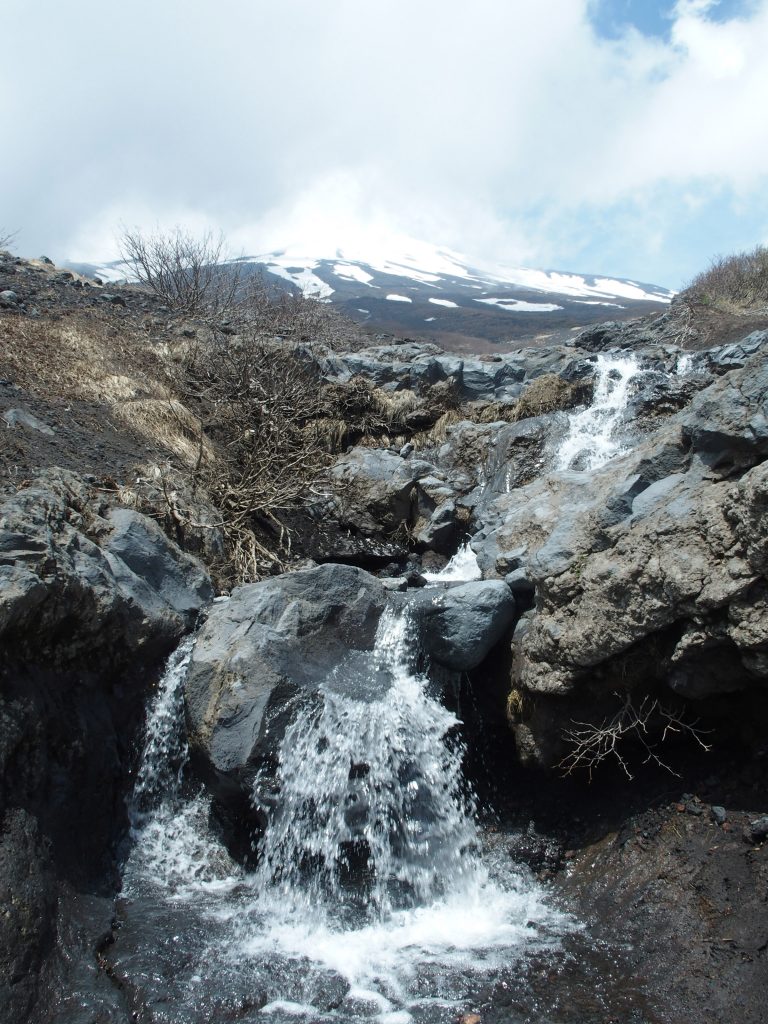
(425, 291)
(416, 289)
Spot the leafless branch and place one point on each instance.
(649, 723)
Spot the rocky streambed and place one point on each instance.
(363, 790)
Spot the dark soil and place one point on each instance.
(674, 897)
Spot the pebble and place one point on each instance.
(719, 815)
(8, 298)
(757, 830)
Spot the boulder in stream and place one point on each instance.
(259, 660)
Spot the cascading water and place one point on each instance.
(371, 899)
(684, 365)
(172, 847)
(591, 440)
(369, 771)
(462, 568)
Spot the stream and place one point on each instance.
(381, 891)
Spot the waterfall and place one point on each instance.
(165, 751)
(372, 898)
(462, 568)
(173, 848)
(684, 365)
(369, 773)
(590, 441)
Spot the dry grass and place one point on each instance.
(547, 393)
(733, 283)
(168, 424)
(82, 359)
(439, 431)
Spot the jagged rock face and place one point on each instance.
(659, 556)
(87, 588)
(90, 599)
(259, 657)
(379, 492)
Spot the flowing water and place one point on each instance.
(462, 568)
(592, 439)
(372, 899)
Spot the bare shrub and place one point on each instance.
(192, 274)
(733, 282)
(6, 237)
(257, 403)
(279, 312)
(649, 724)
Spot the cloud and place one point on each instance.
(512, 131)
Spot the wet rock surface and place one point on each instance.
(260, 656)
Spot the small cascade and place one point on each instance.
(684, 365)
(165, 751)
(591, 441)
(372, 898)
(173, 847)
(368, 774)
(462, 568)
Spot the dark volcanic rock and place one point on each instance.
(263, 653)
(90, 600)
(83, 587)
(459, 625)
(28, 895)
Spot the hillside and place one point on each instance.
(514, 604)
(418, 290)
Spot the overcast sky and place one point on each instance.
(625, 137)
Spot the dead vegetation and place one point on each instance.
(259, 453)
(191, 274)
(732, 283)
(647, 724)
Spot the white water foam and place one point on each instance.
(684, 364)
(591, 440)
(370, 764)
(462, 568)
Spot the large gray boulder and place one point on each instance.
(259, 660)
(729, 420)
(82, 583)
(459, 625)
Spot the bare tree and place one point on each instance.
(648, 724)
(192, 274)
(6, 237)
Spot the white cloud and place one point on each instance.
(507, 130)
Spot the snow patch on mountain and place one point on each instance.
(307, 282)
(351, 272)
(518, 306)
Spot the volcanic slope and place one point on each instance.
(425, 292)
